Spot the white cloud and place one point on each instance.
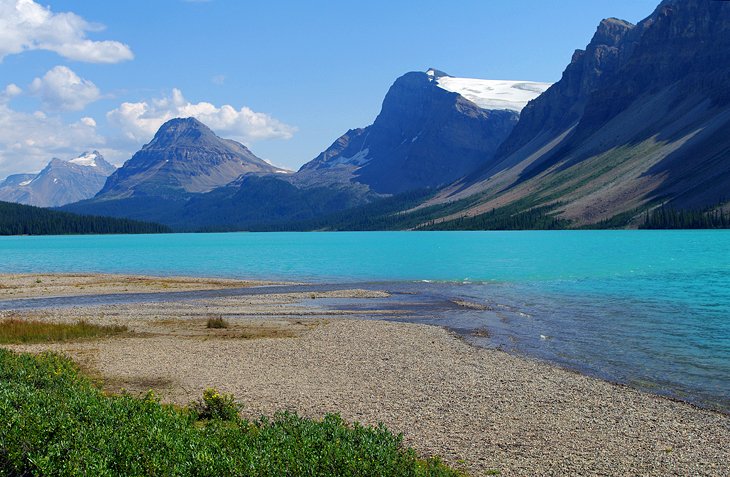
(26, 25)
(87, 121)
(12, 90)
(218, 79)
(140, 121)
(29, 140)
(61, 89)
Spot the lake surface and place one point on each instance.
(647, 308)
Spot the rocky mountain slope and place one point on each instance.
(185, 156)
(432, 130)
(640, 118)
(60, 182)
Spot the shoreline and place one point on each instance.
(481, 409)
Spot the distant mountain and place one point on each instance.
(184, 157)
(18, 219)
(432, 130)
(640, 119)
(60, 182)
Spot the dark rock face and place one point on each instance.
(184, 157)
(563, 104)
(683, 41)
(653, 98)
(423, 137)
(59, 183)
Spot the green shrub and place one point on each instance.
(216, 405)
(53, 421)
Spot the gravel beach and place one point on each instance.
(482, 410)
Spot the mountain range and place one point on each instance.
(425, 137)
(639, 122)
(60, 182)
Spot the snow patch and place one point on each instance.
(357, 160)
(25, 183)
(493, 94)
(55, 181)
(86, 159)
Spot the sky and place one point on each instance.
(284, 77)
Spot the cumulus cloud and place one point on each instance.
(29, 140)
(87, 121)
(61, 89)
(140, 121)
(26, 25)
(11, 90)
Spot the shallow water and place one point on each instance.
(646, 308)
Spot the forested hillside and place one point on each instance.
(16, 219)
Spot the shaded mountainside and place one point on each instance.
(18, 219)
(640, 118)
(249, 203)
(60, 182)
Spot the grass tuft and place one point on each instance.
(216, 322)
(16, 331)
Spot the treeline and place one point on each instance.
(668, 218)
(17, 219)
(506, 218)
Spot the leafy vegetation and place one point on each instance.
(17, 219)
(217, 405)
(54, 421)
(13, 330)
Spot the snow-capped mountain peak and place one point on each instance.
(491, 94)
(86, 159)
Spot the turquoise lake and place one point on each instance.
(646, 308)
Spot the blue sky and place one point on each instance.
(284, 77)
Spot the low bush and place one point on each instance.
(217, 405)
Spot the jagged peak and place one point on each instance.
(611, 31)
